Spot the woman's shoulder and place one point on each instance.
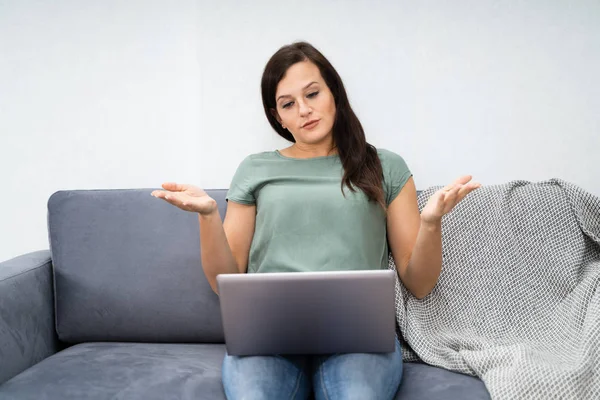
(251, 170)
(389, 157)
(395, 173)
(257, 158)
(393, 164)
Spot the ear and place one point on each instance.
(275, 114)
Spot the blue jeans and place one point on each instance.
(338, 376)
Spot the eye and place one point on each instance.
(286, 105)
(313, 94)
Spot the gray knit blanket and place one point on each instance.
(518, 300)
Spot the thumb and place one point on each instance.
(174, 187)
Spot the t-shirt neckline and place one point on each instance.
(303, 159)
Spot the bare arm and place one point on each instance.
(416, 239)
(416, 246)
(225, 246)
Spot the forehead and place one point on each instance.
(297, 76)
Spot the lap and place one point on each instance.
(357, 376)
(266, 377)
(338, 376)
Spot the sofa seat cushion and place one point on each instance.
(127, 371)
(426, 382)
(132, 371)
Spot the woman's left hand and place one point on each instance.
(445, 199)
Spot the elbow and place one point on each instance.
(213, 286)
(421, 293)
(419, 288)
(420, 296)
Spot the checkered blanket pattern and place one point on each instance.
(518, 300)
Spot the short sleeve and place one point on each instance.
(240, 189)
(395, 174)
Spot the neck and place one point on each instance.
(303, 150)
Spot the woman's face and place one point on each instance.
(302, 97)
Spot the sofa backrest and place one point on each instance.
(127, 268)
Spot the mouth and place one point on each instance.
(311, 124)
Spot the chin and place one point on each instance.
(314, 139)
(317, 136)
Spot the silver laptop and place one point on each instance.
(308, 312)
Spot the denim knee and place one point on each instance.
(268, 377)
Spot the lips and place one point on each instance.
(310, 124)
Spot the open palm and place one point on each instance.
(445, 199)
(186, 197)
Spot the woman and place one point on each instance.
(329, 201)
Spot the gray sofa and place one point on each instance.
(119, 308)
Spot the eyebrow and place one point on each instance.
(287, 95)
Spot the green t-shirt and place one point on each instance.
(304, 223)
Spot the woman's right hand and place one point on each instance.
(187, 197)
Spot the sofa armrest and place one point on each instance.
(27, 333)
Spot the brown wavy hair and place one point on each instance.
(362, 167)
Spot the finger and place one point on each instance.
(453, 193)
(165, 195)
(176, 198)
(446, 200)
(466, 189)
(449, 187)
(472, 186)
(171, 196)
(174, 187)
(462, 180)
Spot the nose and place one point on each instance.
(304, 109)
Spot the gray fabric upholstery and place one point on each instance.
(27, 332)
(127, 268)
(425, 382)
(127, 371)
(132, 371)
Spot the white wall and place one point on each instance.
(129, 94)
